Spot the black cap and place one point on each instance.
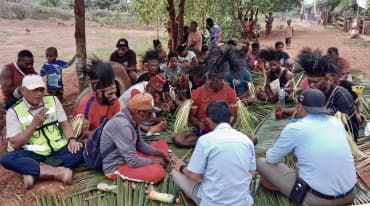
(122, 43)
(314, 101)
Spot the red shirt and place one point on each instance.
(203, 96)
(344, 64)
(16, 80)
(95, 112)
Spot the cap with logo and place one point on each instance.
(122, 43)
(33, 81)
(314, 101)
(142, 102)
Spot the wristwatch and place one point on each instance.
(72, 138)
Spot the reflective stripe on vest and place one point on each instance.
(46, 138)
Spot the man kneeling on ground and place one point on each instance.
(326, 172)
(38, 130)
(131, 157)
(222, 165)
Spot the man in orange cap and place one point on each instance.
(131, 157)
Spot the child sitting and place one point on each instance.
(173, 70)
(52, 71)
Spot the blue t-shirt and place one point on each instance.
(53, 71)
(239, 82)
(214, 32)
(225, 158)
(284, 57)
(320, 144)
(171, 75)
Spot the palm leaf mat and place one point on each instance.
(128, 193)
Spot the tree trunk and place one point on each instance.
(172, 14)
(252, 12)
(157, 25)
(180, 17)
(80, 36)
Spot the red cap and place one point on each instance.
(157, 82)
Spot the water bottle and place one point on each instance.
(282, 97)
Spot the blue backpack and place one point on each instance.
(92, 155)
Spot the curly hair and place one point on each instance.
(270, 54)
(313, 63)
(151, 55)
(236, 59)
(101, 71)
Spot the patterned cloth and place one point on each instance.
(53, 71)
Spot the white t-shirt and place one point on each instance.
(189, 57)
(126, 96)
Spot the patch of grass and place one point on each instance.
(361, 42)
(140, 43)
(10, 10)
(113, 18)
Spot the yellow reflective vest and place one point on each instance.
(48, 137)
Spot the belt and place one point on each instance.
(330, 197)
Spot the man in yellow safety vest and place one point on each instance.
(41, 136)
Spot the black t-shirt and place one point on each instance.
(342, 101)
(348, 86)
(129, 59)
(282, 79)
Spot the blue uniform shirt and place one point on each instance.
(224, 157)
(239, 82)
(324, 157)
(53, 71)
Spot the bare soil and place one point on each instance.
(356, 51)
(60, 34)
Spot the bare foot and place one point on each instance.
(162, 126)
(278, 111)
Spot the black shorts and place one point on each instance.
(288, 40)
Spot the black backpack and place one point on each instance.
(92, 155)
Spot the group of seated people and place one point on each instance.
(43, 146)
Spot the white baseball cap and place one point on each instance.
(33, 81)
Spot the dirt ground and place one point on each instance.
(54, 32)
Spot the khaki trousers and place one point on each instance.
(283, 178)
(188, 186)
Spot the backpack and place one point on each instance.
(92, 155)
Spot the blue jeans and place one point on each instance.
(28, 163)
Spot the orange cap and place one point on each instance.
(142, 102)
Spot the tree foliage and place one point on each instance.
(227, 13)
(367, 11)
(150, 10)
